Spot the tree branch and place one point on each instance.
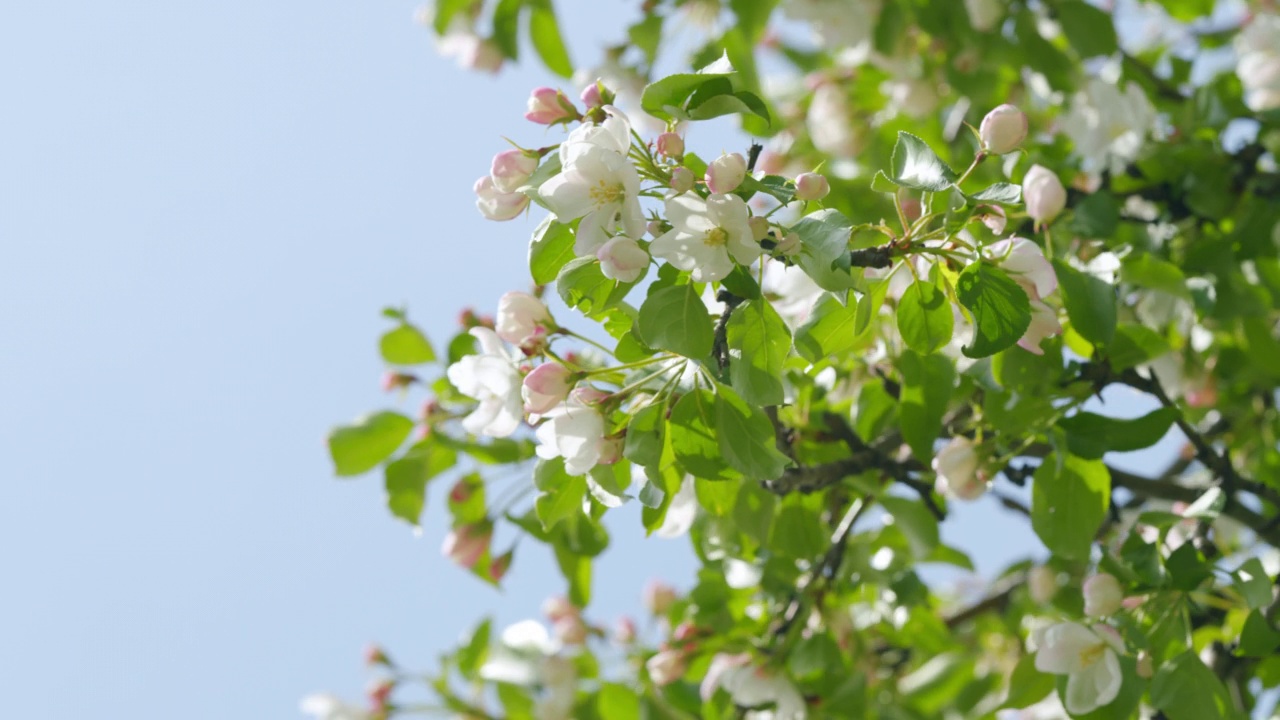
(720, 344)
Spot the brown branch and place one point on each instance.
(720, 344)
(880, 256)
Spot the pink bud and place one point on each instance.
(548, 106)
(591, 96)
(685, 632)
(392, 380)
(558, 606)
(993, 217)
(726, 173)
(666, 667)
(465, 545)
(771, 163)
(570, 629)
(519, 317)
(622, 259)
(610, 450)
(682, 179)
(495, 204)
(1003, 129)
(625, 631)
(789, 244)
(1044, 194)
(759, 228)
(811, 186)
(462, 491)
(658, 597)
(499, 566)
(546, 387)
(379, 691)
(1102, 595)
(671, 145)
(959, 469)
(511, 169)
(587, 395)
(374, 655)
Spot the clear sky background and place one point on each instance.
(203, 207)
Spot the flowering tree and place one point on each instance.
(963, 221)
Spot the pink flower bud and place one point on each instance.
(463, 490)
(811, 186)
(770, 162)
(658, 597)
(520, 315)
(625, 631)
(379, 691)
(666, 667)
(959, 470)
(499, 566)
(685, 632)
(682, 179)
(1003, 129)
(610, 450)
(993, 217)
(1044, 194)
(548, 106)
(671, 145)
(726, 173)
(591, 96)
(374, 655)
(759, 228)
(511, 169)
(570, 629)
(789, 244)
(392, 380)
(546, 387)
(587, 395)
(558, 606)
(495, 204)
(622, 259)
(465, 545)
(1102, 595)
(1042, 583)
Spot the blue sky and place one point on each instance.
(203, 206)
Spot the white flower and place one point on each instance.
(1102, 595)
(829, 122)
(1044, 323)
(726, 173)
(491, 378)
(792, 292)
(751, 687)
(959, 469)
(1042, 583)
(704, 234)
(983, 14)
(916, 97)
(546, 387)
(1258, 47)
(1088, 657)
(1107, 126)
(575, 432)
(681, 512)
(1025, 262)
(845, 25)
(622, 259)
(521, 656)
(324, 706)
(521, 317)
(1003, 129)
(495, 204)
(666, 666)
(1044, 194)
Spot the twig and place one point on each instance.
(840, 428)
(880, 256)
(720, 344)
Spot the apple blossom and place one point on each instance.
(575, 432)
(1088, 657)
(993, 216)
(659, 596)
(666, 666)
(682, 511)
(498, 566)
(323, 706)
(811, 186)
(624, 632)
(1044, 194)
(611, 448)
(960, 471)
(468, 49)
(520, 316)
(1025, 263)
(622, 259)
(706, 236)
(511, 169)
(546, 387)
(1044, 323)
(1108, 125)
(830, 124)
(569, 629)
(726, 173)
(1003, 129)
(497, 205)
(1102, 595)
(466, 544)
(1042, 583)
(789, 244)
(598, 184)
(493, 379)
(670, 145)
(751, 686)
(983, 14)
(1258, 50)
(596, 95)
(548, 106)
(682, 180)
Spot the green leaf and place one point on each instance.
(561, 493)
(694, 439)
(882, 184)
(445, 10)
(916, 166)
(1089, 29)
(645, 436)
(1068, 504)
(1187, 567)
(577, 571)
(709, 93)
(551, 250)
(406, 345)
(924, 317)
(1001, 309)
(716, 497)
(999, 193)
(675, 319)
(471, 656)
(916, 522)
(1258, 638)
(583, 286)
(759, 342)
(828, 331)
(1090, 301)
(797, 532)
(1125, 705)
(406, 478)
(1027, 685)
(1251, 581)
(927, 382)
(618, 702)
(506, 27)
(745, 437)
(824, 249)
(1185, 689)
(544, 31)
(1090, 436)
(1134, 345)
(358, 448)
